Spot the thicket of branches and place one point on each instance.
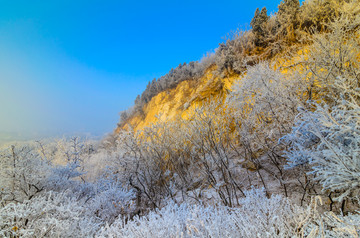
(45, 191)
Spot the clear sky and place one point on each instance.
(70, 66)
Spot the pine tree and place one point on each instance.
(258, 24)
(255, 21)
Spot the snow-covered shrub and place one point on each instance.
(40, 198)
(110, 201)
(313, 223)
(329, 140)
(342, 226)
(48, 215)
(258, 216)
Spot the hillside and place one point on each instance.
(259, 139)
(281, 40)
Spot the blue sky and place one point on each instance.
(72, 66)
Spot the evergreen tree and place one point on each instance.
(263, 15)
(255, 21)
(258, 24)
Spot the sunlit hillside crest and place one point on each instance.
(191, 94)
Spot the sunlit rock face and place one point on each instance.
(182, 99)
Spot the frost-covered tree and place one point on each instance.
(47, 215)
(264, 103)
(334, 54)
(215, 149)
(328, 140)
(234, 54)
(31, 169)
(323, 139)
(24, 174)
(42, 199)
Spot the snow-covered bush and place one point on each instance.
(213, 151)
(313, 223)
(329, 140)
(341, 226)
(258, 216)
(48, 215)
(110, 201)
